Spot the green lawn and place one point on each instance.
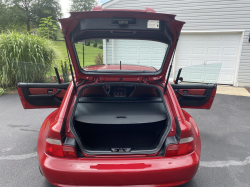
(89, 52)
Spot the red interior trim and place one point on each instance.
(41, 91)
(191, 92)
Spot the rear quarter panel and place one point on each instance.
(195, 131)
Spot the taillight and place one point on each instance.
(185, 146)
(54, 147)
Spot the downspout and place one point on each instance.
(113, 51)
(104, 51)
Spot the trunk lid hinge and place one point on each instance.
(145, 80)
(96, 80)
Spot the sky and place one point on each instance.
(65, 4)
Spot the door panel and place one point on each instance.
(41, 95)
(198, 96)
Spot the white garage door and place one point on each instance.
(137, 52)
(207, 50)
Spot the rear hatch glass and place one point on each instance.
(120, 55)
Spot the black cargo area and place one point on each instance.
(120, 124)
(104, 137)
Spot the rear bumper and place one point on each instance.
(152, 171)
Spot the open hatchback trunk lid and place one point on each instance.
(158, 33)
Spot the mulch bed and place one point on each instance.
(248, 89)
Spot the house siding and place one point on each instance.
(209, 15)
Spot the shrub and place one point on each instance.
(1, 91)
(100, 47)
(95, 45)
(65, 71)
(99, 59)
(87, 43)
(16, 50)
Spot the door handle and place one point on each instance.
(49, 91)
(58, 90)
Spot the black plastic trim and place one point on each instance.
(160, 84)
(172, 139)
(43, 85)
(119, 100)
(63, 130)
(40, 170)
(193, 86)
(82, 83)
(72, 142)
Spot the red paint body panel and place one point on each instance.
(117, 67)
(153, 171)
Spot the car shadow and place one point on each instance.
(47, 184)
(191, 183)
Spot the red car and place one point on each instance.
(120, 122)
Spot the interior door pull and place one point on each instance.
(58, 90)
(49, 94)
(49, 91)
(185, 91)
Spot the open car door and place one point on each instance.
(37, 85)
(196, 85)
(41, 95)
(199, 96)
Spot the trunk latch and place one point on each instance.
(121, 150)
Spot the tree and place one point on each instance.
(29, 12)
(83, 5)
(10, 17)
(45, 8)
(47, 27)
(25, 6)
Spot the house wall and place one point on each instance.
(209, 15)
(107, 51)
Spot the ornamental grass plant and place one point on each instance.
(25, 58)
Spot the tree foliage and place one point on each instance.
(10, 18)
(99, 59)
(27, 13)
(45, 8)
(47, 27)
(83, 5)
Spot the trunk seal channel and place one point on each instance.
(93, 153)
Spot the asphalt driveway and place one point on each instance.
(225, 136)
